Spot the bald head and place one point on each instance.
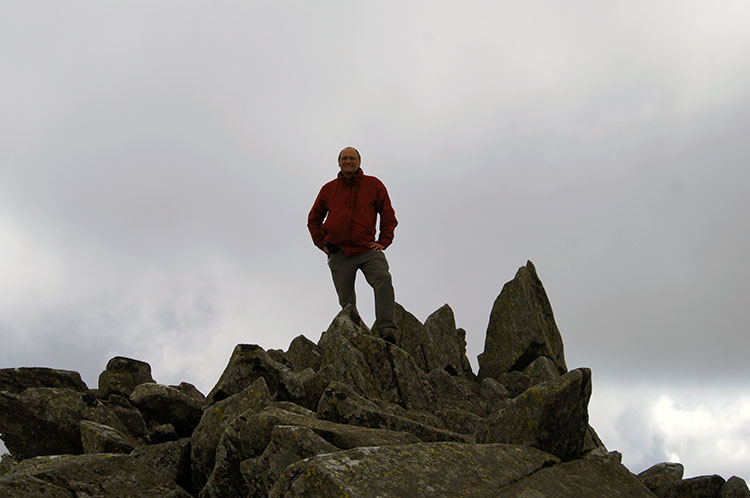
(349, 161)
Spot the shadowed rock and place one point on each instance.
(699, 487)
(522, 328)
(168, 405)
(289, 444)
(16, 380)
(342, 404)
(249, 434)
(735, 487)
(248, 363)
(552, 417)
(430, 469)
(47, 420)
(596, 477)
(662, 478)
(303, 353)
(122, 375)
(99, 438)
(216, 418)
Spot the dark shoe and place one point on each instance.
(388, 335)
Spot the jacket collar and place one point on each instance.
(357, 178)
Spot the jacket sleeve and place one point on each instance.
(388, 220)
(315, 219)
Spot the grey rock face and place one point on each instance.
(699, 487)
(522, 328)
(662, 478)
(289, 444)
(99, 474)
(735, 487)
(16, 380)
(99, 438)
(303, 353)
(47, 420)
(248, 363)
(216, 418)
(552, 416)
(342, 404)
(583, 478)
(168, 405)
(122, 375)
(22, 486)
(431, 469)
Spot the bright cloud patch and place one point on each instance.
(707, 432)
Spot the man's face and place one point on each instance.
(349, 162)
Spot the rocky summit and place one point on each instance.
(350, 416)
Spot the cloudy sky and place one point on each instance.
(158, 161)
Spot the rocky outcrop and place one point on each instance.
(522, 328)
(350, 415)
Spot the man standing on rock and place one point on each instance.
(342, 224)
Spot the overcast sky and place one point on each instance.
(158, 161)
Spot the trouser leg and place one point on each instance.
(376, 271)
(344, 271)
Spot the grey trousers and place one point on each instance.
(375, 268)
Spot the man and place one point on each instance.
(342, 224)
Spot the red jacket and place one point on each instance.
(350, 208)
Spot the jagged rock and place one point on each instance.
(552, 417)
(129, 415)
(735, 487)
(460, 421)
(699, 487)
(456, 392)
(521, 328)
(100, 438)
(249, 434)
(493, 393)
(47, 420)
(216, 418)
(7, 462)
(289, 444)
(279, 356)
(101, 474)
(583, 478)
(662, 478)
(288, 406)
(16, 380)
(172, 459)
(541, 370)
(192, 391)
(248, 363)
(315, 383)
(515, 382)
(167, 405)
(430, 469)
(340, 403)
(375, 368)
(303, 353)
(122, 375)
(162, 433)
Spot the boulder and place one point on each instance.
(162, 433)
(216, 418)
(595, 477)
(662, 478)
(303, 353)
(429, 469)
(248, 363)
(16, 380)
(493, 393)
(541, 370)
(122, 375)
(21, 486)
(288, 444)
(315, 383)
(168, 405)
(456, 392)
(129, 415)
(171, 459)
(249, 434)
(699, 487)
(47, 420)
(100, 474)
(521, 328)
(100, 438)
(735, 487)
(552, 417)
(340, 403)
(515, 382)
